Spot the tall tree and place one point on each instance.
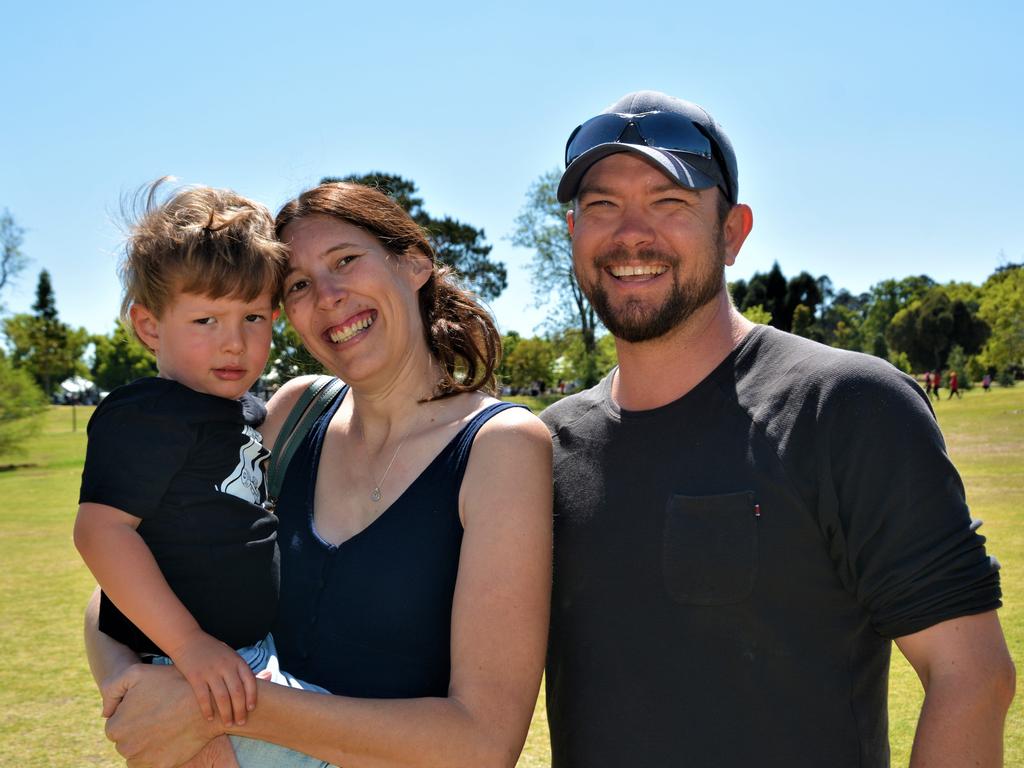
(803, 290)
(45, 306)
(769, 291)
(40, 343)
(457, 244)
(540, 226)
(12, 260)
(738, 290)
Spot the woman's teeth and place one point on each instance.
(347, 332)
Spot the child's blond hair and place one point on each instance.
(201, 240)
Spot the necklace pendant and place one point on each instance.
(375, 494)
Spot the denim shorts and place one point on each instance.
(253, 753)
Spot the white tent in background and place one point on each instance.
(77, 385)
(79, 390)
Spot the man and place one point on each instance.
(744, 519)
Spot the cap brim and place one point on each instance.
(669, 163)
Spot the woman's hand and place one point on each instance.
(113, 689)
(157, 724)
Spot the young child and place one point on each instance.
(171, 517)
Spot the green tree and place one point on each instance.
(456, 243)
(540, 226)
(888, 297)
(529, 361)
(959, 362)
(119, 359)
(21, 405)
(576, 364)
(12, 260)
(928, 328)
(804, 290)
(758, 314)
(738, 290)
(803, 319)
(768, 289)
(607, 356)
(43, 345)
(288, 355)
(841, 320)
(1002, 307)
(45, 306)
(509, 341)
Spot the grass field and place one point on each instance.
(50, 710)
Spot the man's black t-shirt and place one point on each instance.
(191, 466)
(730, 568)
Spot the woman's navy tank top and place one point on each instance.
(371, 617)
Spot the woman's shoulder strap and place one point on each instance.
(312, 403)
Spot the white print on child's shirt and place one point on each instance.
(246, 480)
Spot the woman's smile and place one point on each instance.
(354, 326)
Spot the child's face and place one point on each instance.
(216, 346)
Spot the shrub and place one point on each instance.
(20, 406)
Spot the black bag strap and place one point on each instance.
(314, 400)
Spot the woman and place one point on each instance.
(415, 572)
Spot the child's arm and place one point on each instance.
(127, 571)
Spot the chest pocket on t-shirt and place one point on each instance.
(709, 548)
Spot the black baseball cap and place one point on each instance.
(678, 136)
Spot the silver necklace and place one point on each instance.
(375, 494)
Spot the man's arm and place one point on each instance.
(968, 678)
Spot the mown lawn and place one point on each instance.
(50, 711)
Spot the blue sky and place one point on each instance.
(874, 139)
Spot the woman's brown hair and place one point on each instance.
(460, 333)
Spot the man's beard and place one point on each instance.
(636, 322)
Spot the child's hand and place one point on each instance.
(216, 672)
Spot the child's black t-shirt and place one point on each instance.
(192, 466)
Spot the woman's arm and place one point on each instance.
(108, 659)
(499, 632)
(116, 669)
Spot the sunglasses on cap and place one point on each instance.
(667, 131)
(659, 130)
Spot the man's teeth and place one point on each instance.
(643, 269)
(346, 333)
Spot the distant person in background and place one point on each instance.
(954, 385)
(936, 384)
(928, 383)
(986, 382)
(745, 520)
